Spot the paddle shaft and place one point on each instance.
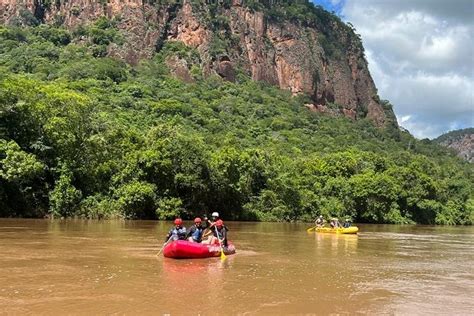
(208, 229)
(207, 233)
(164, 245)
(220, 243)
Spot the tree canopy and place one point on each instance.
(86, 135)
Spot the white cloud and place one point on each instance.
(421, 55)
(404, 119)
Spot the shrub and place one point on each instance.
(64, 198)
(169, 208)
(136, 199)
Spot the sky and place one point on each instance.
(421, 56)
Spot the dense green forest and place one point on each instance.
(85, 135)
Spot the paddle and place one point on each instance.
(311, 229)
(164, 245)
(223, 257)
(207, 233)
(208, 230)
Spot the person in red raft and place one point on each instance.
(217, 229)
(178, 232)
(196, 231)
(219, 234)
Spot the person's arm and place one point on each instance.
(169, 235)
(211, 226)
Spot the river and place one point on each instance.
(107, 267)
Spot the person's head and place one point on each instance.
(215, 216)
(320, 216)
(178, 222)
(219, 224)
(197, 221)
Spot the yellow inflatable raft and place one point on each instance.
(348, 230)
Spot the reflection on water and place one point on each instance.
(340, 244)
(210, 271)
(106, 267)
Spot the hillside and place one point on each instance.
(84, 134)
(291, 44)
(461, 141)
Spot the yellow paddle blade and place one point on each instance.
(310, 229)
(223, 257)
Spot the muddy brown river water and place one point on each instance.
(111, 267)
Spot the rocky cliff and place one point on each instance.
(321, 56)
(461, 141)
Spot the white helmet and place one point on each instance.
(215, 214)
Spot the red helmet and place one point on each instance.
(219, 223)
(178, 221)
(197, 220)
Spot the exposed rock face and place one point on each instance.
(225, 69)
(179, 68)
(187, 28)
(461, 141)
(282, 54)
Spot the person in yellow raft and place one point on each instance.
(319, 221)
(347, 223)
(334, 223)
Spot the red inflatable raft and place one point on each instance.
(182, 249)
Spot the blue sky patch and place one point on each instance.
(331, 5)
